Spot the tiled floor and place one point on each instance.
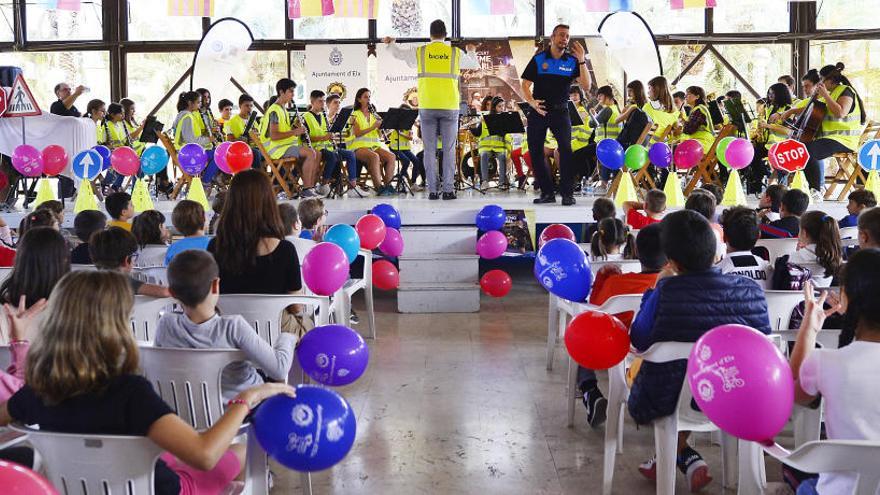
(462, 403)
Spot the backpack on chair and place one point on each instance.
(789, 276)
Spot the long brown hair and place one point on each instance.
(661, 91)
(250, 214)
(822, 229)
(82, 345)
(612, 232)
(638, 90)
(608, 92)
(41, 260)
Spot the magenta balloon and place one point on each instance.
(492, 245)
(393, 243)
(688, 154)
(739, 153)
(741, 382)
(325, 269)
(125, 161)
(220, 156)
(27, 160)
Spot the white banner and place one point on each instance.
(396, 79)
(337, 68)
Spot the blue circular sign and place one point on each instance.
(87, 164)
(869, 155)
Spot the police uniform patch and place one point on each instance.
(545, 66)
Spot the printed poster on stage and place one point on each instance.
(519, 228)
(496, 76)
(338, 69)
(396, 80)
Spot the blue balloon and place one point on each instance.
(87, 164)
(333, 355)
(388, 214)
(154, 160)
(491, 217)
(105, 156)
(610, 154)
(562, 268)
(311, 432)
(345, 237)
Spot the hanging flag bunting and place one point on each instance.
(691, 4)
(493, 7)
(196, 8)
(71, 5)
(309, 8)
(608, 5)
(356, 8)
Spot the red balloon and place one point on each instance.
(596, 340)
(556, 231)
(385, 275)
(371, 230)
(496, 283)
(239, 156)
(54, 159)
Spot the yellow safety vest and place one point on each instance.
(317, 129)
(550, 140)
(489, 143)
(704, 134)
(770, 137)
(101, 132)
(580, 134)
(197, 126)
(276, 149)
(117, 135)
(609, 130)
(235, 126)
(369, 140)
(438, 71)
(662, 118)
(400, 141)
(845, 130)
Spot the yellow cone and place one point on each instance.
(85, 198)
(197, 193)
(140, 197)
(44, 192)
(672, 190)
(800, 182)
(873, 183)
(626, 190)
(733, 193)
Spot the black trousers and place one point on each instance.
(558, 121)
(584, 161)
(820, 149)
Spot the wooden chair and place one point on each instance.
(287, 185)
(614, 185)
(184, 178)
(848, 169)
(643, 178)
(705, 170)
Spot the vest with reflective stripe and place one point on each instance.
(704, 134)
(845, 130)
(235, 126)
(276, 149)
(550, 140)
(400, 141)
(770, 137)
(369, 140)
(489, 143)
(137, 145)
(609, 130)
(317, 129)
(660, 117)
(438, 70)
(580, 134)
(196, 124)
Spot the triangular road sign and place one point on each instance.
(21, 101)
(3, 101)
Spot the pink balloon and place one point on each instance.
(220, 156)
(54, 159)
(741, 382)
(688, 154)
(125, 161)
(27, 160)
(15, 478)
(739, 153)
(492, 245)
(393, 243)
(325, 269)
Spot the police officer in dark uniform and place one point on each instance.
(552, 72)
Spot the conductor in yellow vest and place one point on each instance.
(281, 136)
(438, 65)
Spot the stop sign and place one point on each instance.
(3, 101)
(789, 155)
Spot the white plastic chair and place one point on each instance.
(157, 275)
(626, 266)
(849, 233)
(78, 267)
(341, 303)
(263, 311)
(145, 316)
(5, 272)
(861, 457)
(5, 357)
(778, 247)
(780, 304)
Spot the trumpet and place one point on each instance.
(302, 124)
(383, 133)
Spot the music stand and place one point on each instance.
(400, 120)
(574, 115)
(740, 114)
(502, 124)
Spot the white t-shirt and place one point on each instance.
(748, 265)
(303, 246)
(151, 255)
(806, 257)
(845, 377)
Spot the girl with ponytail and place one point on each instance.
(819, 247)
(612, 241)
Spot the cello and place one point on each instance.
(808, 123)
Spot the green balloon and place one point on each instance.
(636, 157)
(721, 150)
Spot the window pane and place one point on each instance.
(411, 18)
(265, 22)
(310, 28)
(522, 23)
(663, 20)
(848, 14)
(751, 16)
(148, 20)
(263, 70)
(298, 74)
(45, 24)
(861, 71)
(150, 75)
(43, 70)
(571, 12)
(6, 21)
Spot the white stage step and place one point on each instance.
(439, 240)
(438, 298)
(439, 268)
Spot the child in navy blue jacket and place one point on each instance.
(691, 297)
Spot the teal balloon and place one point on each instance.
(154, 160)
(345, 237)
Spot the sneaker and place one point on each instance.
(357, 192)
(649, 468)
(323, 189)
(817, 196)
(691, 463)
(308, 193)
(386, 191)
(354, 318)
(416, 188)
(432, 196)
(448, 195)
(597, 407)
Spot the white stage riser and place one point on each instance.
(436, 240)
(450, 298)
(439, 269)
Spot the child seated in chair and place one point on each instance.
(770, 203)
(612, 242)
(116, 249)
(842, 377)
(602, 208)
(653, 207)
(859, 200)
(120, 209)
(293, 229)
(691, 297)
(194, 280)
(741, 232)
(794, 203)
(312, 216)
(188, 218)
(152, 236)
(86, 223)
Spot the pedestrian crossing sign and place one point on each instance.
(21, 102)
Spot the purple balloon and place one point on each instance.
(27, 160)
(492, 245)
(660, 155)
(333, 355)
(220, 156)
(393, 243)
(325, 269)
(192, 158)
(739, 153)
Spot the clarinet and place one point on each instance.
(128, 141)
(107, 134)
(218, 134)
(208, 127)
(302, 124)
(327, 121)
(383, 133)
